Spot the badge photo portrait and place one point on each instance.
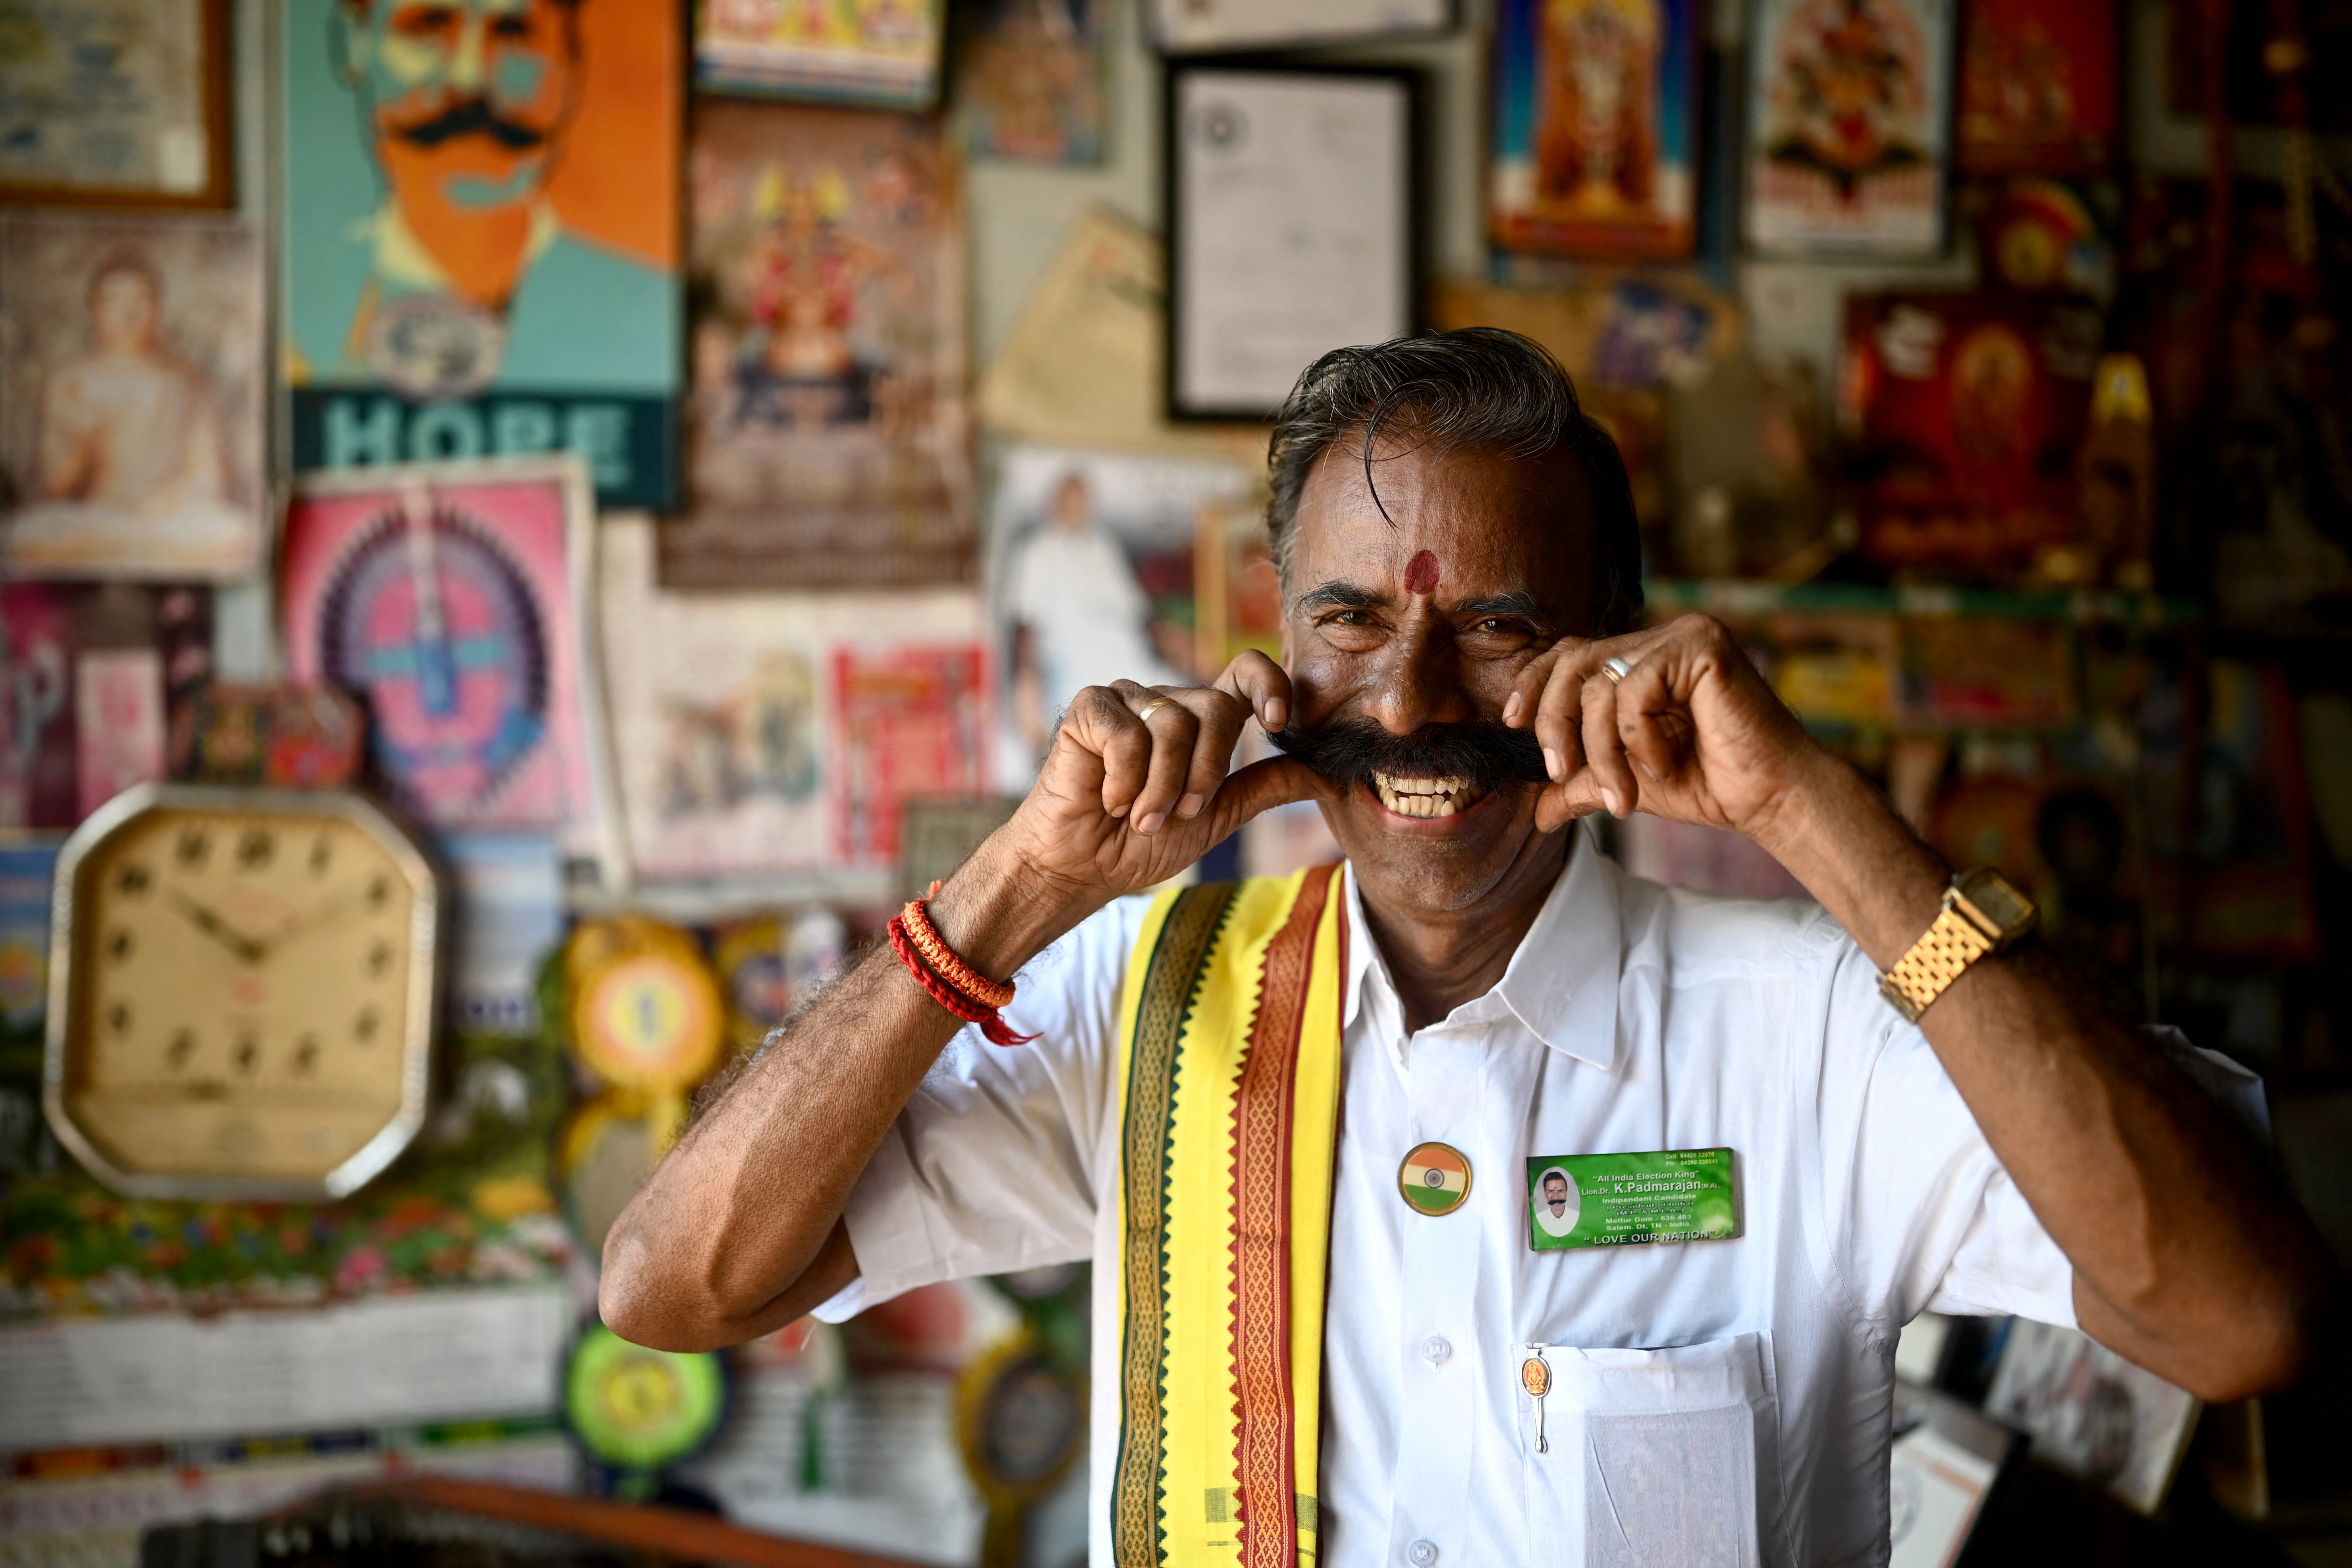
(1556, 1201)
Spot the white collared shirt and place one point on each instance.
(1729, 1396)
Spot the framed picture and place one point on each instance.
(467, 275)
(92, 678)
(1595, 136)
(1097, 578)
(2091, 1413)
(2038, 88)
(1207, 26)
(725, 726)
(829, 432)
(1292, 195)
(1849, 126)
(1033, 85)
(451, 599)
(116, 103)
(131, 397)
(1968, 407)
(882, 56)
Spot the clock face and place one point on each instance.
(243, 996)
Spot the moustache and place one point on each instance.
(1486, 752)
(471, 117)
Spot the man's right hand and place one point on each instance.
(1134, 790)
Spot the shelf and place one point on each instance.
(1740, 596)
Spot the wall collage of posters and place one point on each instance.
(592, 390)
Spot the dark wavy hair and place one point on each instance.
(1480, 389)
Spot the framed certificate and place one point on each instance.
(1293, 204)
(115, 103)
(1204, 26)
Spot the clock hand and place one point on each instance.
(334, 908)
(213, 926)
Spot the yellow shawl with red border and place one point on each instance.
(1229, 1092)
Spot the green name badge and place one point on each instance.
(1615, 1200)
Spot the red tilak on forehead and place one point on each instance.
(1420, 573)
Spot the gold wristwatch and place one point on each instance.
(1982, 913)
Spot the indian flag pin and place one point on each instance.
(1434, 1178)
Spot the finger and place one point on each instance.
(1528, 687)
(1101, 722)
(1577, 796)
(1263, 684)
(1605, 752)
(1260, 788)
(1221, 717)
(1172, 729)
(1651, 723)
(1557, 712)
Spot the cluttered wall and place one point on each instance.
(573, 520)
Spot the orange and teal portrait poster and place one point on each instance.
(481, 234)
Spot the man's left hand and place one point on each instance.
(1692, 732)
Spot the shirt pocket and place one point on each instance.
(1655, 1459)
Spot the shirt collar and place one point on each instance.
(1561, 984)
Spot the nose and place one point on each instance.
(473, 41)
(1418, 680)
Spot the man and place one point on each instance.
(131, 459)
(1458, 552)
(465, 274)
(1555, 1192)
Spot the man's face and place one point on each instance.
(467, 100)
(122, 312)
(1556, 1196)
(1391, 641)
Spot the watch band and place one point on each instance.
(1935, 960)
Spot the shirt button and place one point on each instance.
(1436, 1348)
(1421, 1553)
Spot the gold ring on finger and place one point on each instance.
(1616, 669)
(1154, 706)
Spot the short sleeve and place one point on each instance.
(1925, 1212)
(996, 1161)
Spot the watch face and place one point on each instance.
(2009, 909)
(242, 996)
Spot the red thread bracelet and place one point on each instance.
(991, 1024)
(950, 964)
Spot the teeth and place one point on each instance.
(1423, 796)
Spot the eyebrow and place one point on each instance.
(1338, 596)
(1512, 603)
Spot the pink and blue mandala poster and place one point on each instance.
(448, 598)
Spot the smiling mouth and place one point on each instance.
(1426, 797)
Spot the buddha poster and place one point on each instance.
(131, 398)
(481, 234)
(1594, 127)
(829, 429)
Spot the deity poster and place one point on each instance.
(2038, 87)
(723, 730)
(131, 397)
(1969, 409)
(1034, 82)
(1595, 135)
(448, 598)
(829, 432)
(1849, 126)
(481, 236)
(884, 54)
